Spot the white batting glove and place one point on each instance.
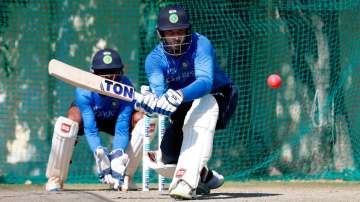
(119, 163)
(144, 91)
(147, 102)
(103, 167)
(169, 102)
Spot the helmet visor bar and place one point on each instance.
(176, 45)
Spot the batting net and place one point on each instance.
(307, 129)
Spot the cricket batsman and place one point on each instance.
(187, 85)
(91, 113)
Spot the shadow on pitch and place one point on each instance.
(232, 195)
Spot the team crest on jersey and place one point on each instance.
(114, 104)
(185, 65)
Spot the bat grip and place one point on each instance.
(138, 97)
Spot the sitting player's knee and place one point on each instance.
(136, 116)
(138, 124)
(74, 114)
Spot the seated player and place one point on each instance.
(91, 113)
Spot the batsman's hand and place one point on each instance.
(147, 102)
(169, 102)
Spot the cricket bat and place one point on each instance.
(83, 79)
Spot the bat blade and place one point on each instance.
(83, 79)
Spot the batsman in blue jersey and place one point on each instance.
(91, 113)
(188, 86)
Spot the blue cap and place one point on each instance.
(106, 61)
(172, 17)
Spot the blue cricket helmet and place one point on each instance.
(174, 18)
(107, 61)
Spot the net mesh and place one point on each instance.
(307, 129)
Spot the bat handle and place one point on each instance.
(144, 89)
(138, 97)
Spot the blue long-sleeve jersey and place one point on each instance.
(96, 108)
(195, 73)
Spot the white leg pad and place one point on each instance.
(199, 128)
(63, 141)
(135, 148)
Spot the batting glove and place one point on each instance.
(169, 102)
(147, 101)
